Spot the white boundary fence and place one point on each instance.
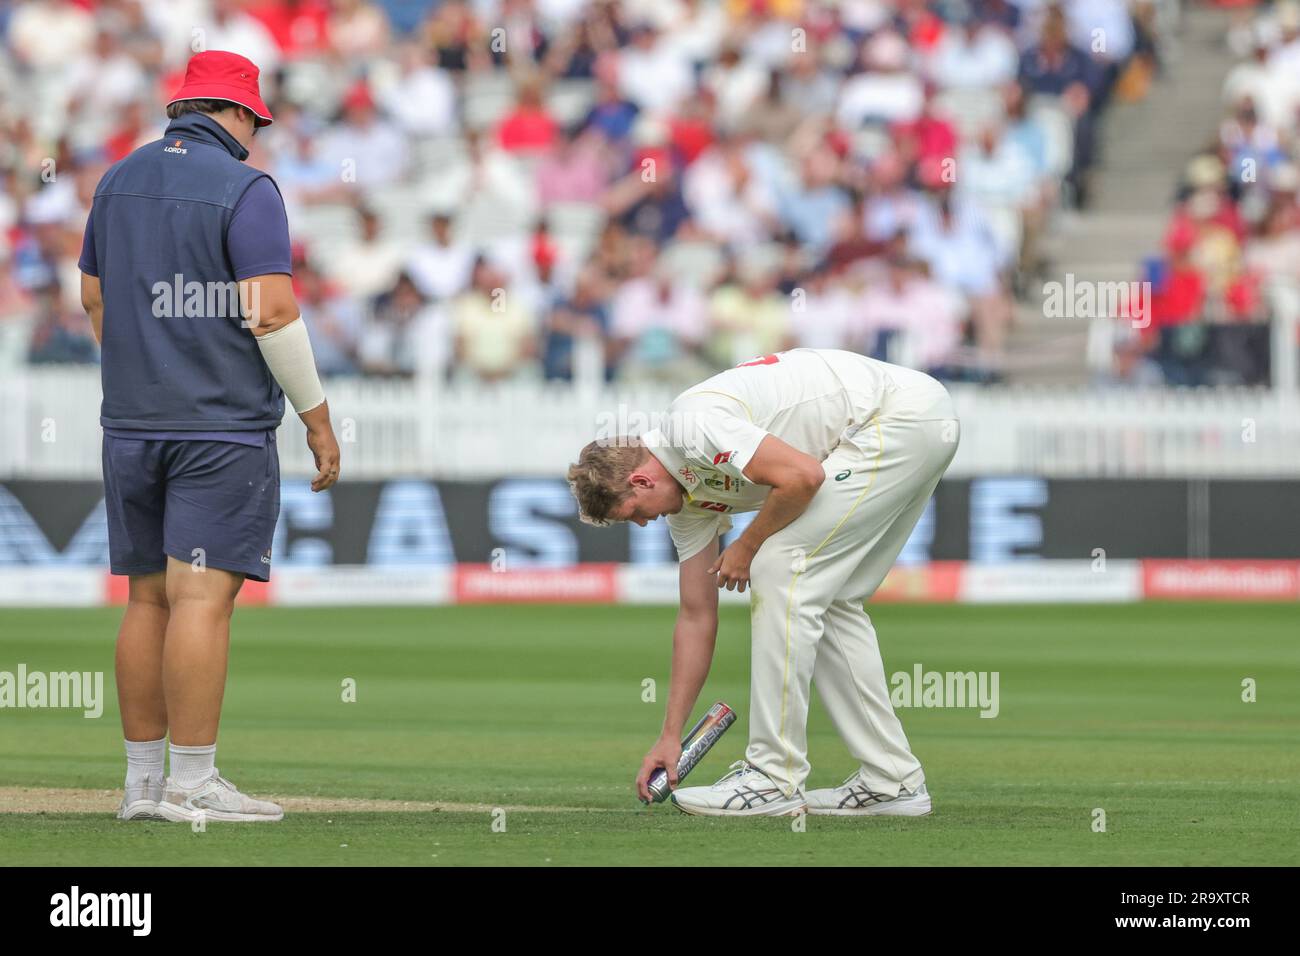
(49, 429)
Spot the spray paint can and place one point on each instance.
(703, 735)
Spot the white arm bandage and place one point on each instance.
(288, 355)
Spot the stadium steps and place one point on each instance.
(1144, 148)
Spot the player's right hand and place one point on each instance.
(665, 753)
(325, 450)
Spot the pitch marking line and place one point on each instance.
(61, 800)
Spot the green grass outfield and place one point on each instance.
(1133, 709)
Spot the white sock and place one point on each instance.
(192, 765)
(144, 769)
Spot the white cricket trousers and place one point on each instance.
(809, 580)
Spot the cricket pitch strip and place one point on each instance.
(63, 800)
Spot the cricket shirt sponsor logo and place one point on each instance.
(74, 908)
(688, 475)
(266, 556)
(723, 482)
(723, 457)
(843, 474)
(176, 147)
(713, 506)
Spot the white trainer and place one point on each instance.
(853, 798)
(215, 799)
(744, 792)
(141, 802)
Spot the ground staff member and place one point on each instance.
(186, 278)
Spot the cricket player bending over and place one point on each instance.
(193, 393)
(838, 454)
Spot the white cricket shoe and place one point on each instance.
(141, 802)
(853, 798)
(744, 792)
(215, 799)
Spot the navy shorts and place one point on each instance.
(213, 501)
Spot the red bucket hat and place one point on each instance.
(218, 75)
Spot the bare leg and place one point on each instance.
(139, 659)
(197, 647)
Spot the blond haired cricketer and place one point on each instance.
(838, 455)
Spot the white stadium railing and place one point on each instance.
(49, 429)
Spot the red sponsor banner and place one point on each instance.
(936, 581)
(579, 584)
(1221, 580)
(117, 588)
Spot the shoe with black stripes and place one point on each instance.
(853, 798)
(744, 792)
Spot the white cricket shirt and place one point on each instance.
(811, 399)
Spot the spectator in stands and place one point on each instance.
(998, 177)
(404, 334)
(823, 312)
(456, 34)
(490, 185)
(45, 37)
(1130, 364)
(955, 242)
(1273, 90)
(653, 73)
(61, 335)
(577, 168)
(1104, 29)
(726, 200)
(1177, 336)
(749, 315)
(303, 174)
(611, 113)
(884, 90)
(368, 265)
(443, 266)
(580, 319)
(810, 206)
(658, 323)
(808, 86)
(975, 54)
(1273, 251)
(1053, 67)
(910, 319)
(1213, 219)
(648, 200)
(333, 318)
(105, 81)
(358, 30)
(1251, 148)
(422, 99)
(495, 333)
(369, 151)
(928, 139)
(528, 128)
(736, 83)
(891, 205)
